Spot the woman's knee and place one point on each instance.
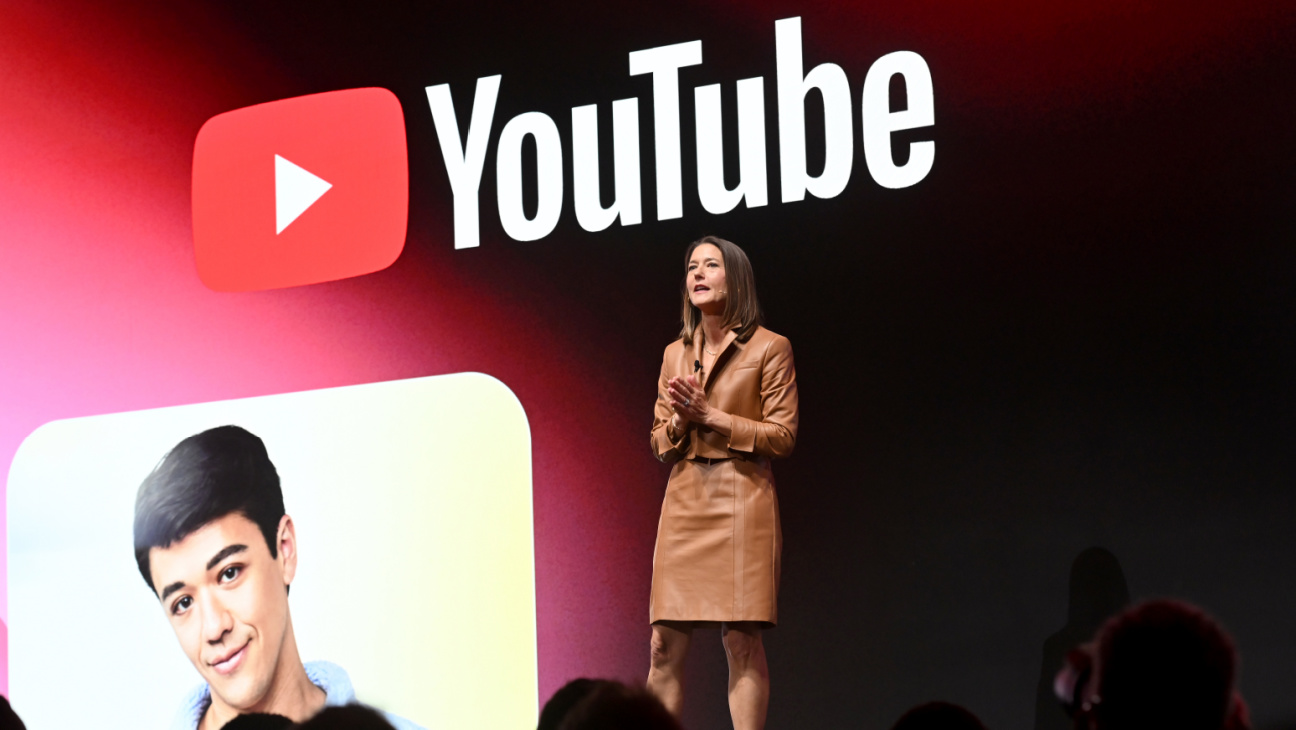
(666, 648)
(742, 643)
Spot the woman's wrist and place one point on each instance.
(718, 420)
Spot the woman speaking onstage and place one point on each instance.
(726, 405)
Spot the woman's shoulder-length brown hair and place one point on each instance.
(742, 309)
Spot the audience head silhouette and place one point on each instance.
(258, 721)
(347, 717)
(1163, 663)
(614, 706)
(562, 701)
(8, 718)
(938, 716)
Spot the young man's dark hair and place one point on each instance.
(1163, 663)
(220, 471)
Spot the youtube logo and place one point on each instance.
(300, 191)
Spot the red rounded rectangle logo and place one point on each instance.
(300, 191)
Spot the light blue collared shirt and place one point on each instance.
(327, 676)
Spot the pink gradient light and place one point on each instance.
(104, 311)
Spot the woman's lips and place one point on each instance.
(231, 662)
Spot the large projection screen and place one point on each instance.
(1035, 264)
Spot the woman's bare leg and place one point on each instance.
(748, 674)
(668, 647)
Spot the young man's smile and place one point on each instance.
(230, 661)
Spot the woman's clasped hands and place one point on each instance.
(688, 400)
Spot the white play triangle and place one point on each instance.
(295, 191)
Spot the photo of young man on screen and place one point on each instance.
(215, 544)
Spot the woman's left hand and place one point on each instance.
(688, 399)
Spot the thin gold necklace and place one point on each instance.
(704, 349)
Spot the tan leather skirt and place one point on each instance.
(718, 544)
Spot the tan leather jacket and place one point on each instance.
(753, 381)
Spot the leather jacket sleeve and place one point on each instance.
(663, 447)
(775, 434)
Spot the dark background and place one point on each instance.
(1076, 332)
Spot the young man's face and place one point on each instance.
(227, 600)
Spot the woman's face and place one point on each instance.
(705, 279)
